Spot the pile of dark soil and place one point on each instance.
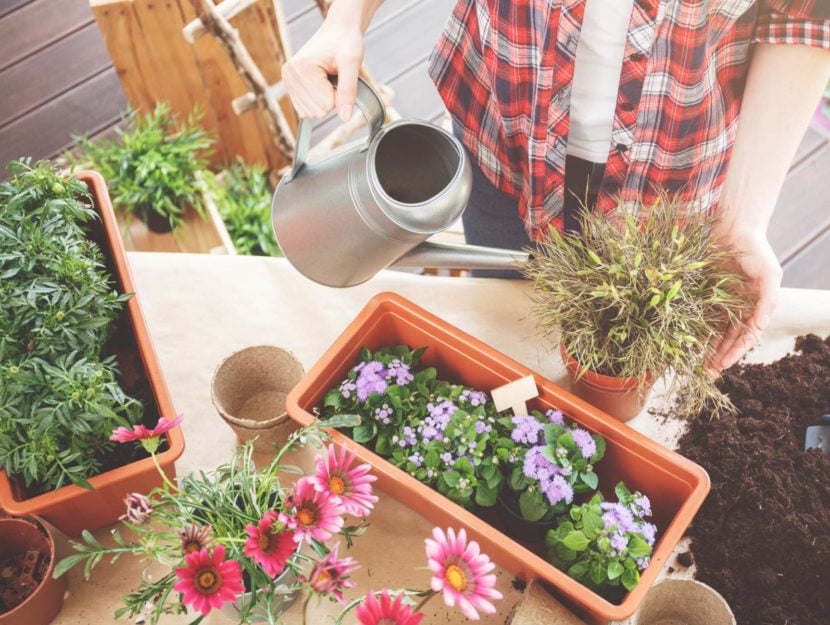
(762, 537)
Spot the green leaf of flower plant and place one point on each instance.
(364, 433)
(630, 579)
(638, 548)
(590, 479)
(615, 569)
(531, 506)
(592, 525)
(485, 495)
(576, 540)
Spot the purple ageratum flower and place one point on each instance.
(474, 398)
(409, 437)
(586, 444)
(555, 416)
(641, 506)
(618, 516)
(482, 427)
(556, 490)
(446, 458)
(371, 379)
(416, 459)
(400, 372)
(536, 466)
(383, 413)
(619, 543)
(649, 532)
(442, 410)
(347, 387)
(526, 429)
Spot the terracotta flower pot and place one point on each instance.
(675, 485)
(72, 508)
(622, 398)
(29, 595)
(249, 389)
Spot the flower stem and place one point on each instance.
(423, 601)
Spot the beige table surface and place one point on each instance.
(201, 308)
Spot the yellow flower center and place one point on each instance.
(337, 486)
(306, 516)
(191, 546)
(206, 581)
(455, 577)
(322, 577)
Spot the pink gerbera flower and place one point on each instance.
(331, 575)
(208, 580)
(269, 546)
(386, 611)
(317, 514)
(352, 487)
(139, 508)
(460, 570)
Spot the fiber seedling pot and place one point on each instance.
(675, 485)
(682, 602)
(71, 508)
(249, 389)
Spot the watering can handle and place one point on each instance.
(369, 103)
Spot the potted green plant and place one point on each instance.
(75, 354)
(635, 297)
(28, 592)
(675, 485)
(152, 166)
(549, 465)
(243, 199)
(249, 540)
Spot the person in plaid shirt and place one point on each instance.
(611, 101)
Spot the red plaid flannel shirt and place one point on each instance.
(504, 69)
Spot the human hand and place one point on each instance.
(335, 49)
(756, 259)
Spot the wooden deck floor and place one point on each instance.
(58, 82)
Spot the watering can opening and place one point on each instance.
(415, 163)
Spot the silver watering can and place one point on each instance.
(373, 203)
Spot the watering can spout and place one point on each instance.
(457, 256)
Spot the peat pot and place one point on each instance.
(249, 389)
(71, 508)
(675, 485)
(682, 602)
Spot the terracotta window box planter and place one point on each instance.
(675, 485)
(72, 508)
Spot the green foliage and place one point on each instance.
(243, 199)
(441, 433)
(59, 399)
(637, 294)
(603, 545)
(152, 166)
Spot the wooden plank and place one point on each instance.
(11, 5)
(176, 77)
(47, 131)
(803, 207)
(810, 269)
(38, 24)
(812, 142)
(55, 69)
(121, 31)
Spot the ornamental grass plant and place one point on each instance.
(641, 293)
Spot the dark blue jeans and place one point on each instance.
(492, 217)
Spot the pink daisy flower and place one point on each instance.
(208, 580)
(386, 611)
(140, 432)
(195, 538)
(317, 514)
(331, 575)
(269, 546)
(139, 508)
(462, 572)
(353, 487)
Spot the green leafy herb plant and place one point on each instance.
(59, 394)
(152, 167)
(243, 198)
(634, 295)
